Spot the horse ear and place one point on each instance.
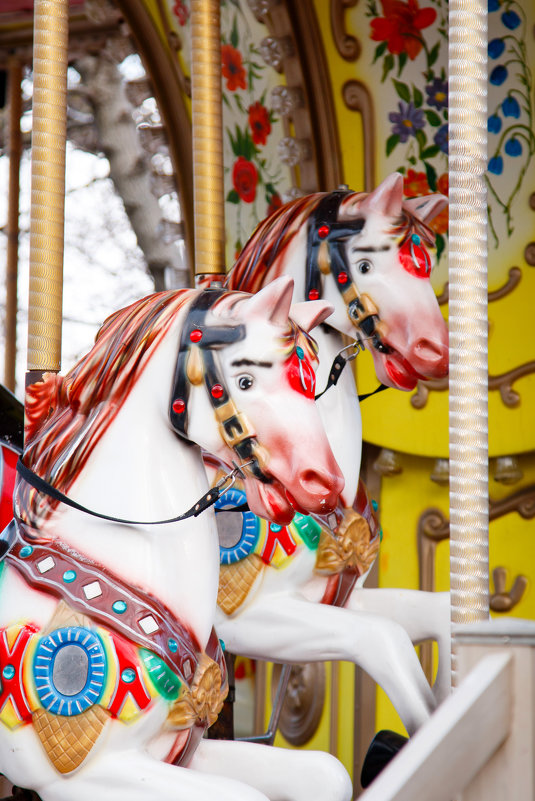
(427, 207)
(272, 301)
(311, 313)
(386, 198)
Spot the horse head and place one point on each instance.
(372, 250)
(249, 363)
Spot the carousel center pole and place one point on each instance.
(47, 187)
(207, 125)
(468, 412)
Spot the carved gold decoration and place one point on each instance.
(502, 600)
(349, 548)
(503, 383)
(203, 701)
(357, 98)
(235, 582)
(303, 704)
(507, 470)
(348, 46)
(529, 254)
(441, 472)
(515, 276)
(68, 740)
(387, 463)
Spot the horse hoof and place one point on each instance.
(384, 747)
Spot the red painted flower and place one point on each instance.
(181, 11)
(233, 69)
(245, 179)
(415, 184)
(259, 122)
(275, 203)
(401, 25)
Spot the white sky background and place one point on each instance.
(104, 269)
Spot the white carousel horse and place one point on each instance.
(366, 254)
(110, 670)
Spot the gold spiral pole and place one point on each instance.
(48, 187)
(207, 124)
(468, 415)
(12, 261)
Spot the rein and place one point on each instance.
(207, 500)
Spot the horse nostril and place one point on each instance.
(429, 351)
(316, 483)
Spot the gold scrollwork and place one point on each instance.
(503, 600)
(348, 46)
(303, 704)
(203, 701)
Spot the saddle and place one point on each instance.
(134, 621)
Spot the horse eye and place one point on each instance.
(245, 381)
(364, 267)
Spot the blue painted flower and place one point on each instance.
(498, 75)
(437, 93)
(511, 20)
(407, 121)
(441, 138)
(494, 5)
(513, 147)
(511, 107)
(496, 48)
(496, 165)
(494, 124)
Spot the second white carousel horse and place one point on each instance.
(294, 594)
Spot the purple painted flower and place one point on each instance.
(437, 93)
(441, 138)
(407, 121)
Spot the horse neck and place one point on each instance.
(140, 470)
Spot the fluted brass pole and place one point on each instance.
(208, 192)
(12, 262)
(48, 187)
(469, 501)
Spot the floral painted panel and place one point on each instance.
(256, 180)
(404, 65)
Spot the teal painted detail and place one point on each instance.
(375, 506)
(308, 529)
(300, 352)
(26, 551)
(172, 645)
(380, 535)
(275, 527)
(165, 681)
(222, 644)
(128, 675)
(69, 576)
(8, 672)
(416, 239)
(119, 607)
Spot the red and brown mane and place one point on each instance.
(67, 416)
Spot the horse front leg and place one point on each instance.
(423, 615)
(280, 773)
(285, 628)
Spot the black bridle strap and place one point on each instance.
(38, 483)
